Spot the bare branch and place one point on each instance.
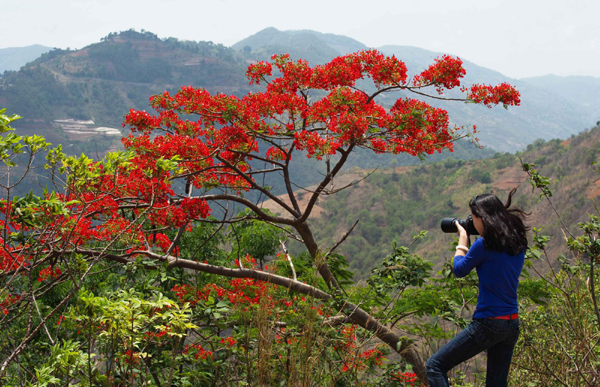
(341, 240)
(287, 254)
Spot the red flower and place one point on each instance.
(49, 272)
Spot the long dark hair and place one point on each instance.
(505, 230)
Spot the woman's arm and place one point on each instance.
(465, 261)
(463, 240)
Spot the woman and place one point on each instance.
(498, 258)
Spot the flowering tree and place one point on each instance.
(194, 155)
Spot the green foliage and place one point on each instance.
(560, 318)
(66, 362)
(400, 270)
(12, 144)
(256, 238)
(480, 175)
(588, 243)
(536, 180)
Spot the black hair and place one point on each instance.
(505, 230)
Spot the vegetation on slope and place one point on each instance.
(103, 81)
(394, 204)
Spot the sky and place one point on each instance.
(519, 38)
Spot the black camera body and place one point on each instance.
(448, 225)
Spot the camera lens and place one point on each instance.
(448, 225)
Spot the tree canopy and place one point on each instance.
(180, 183)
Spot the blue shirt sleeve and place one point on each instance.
(474, 257)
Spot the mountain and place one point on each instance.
(13, 58)
(315, 47)
(101, 82)
(394, 204)
(580, 90)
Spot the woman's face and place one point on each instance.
(478, 223)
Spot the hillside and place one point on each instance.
(103, 81)
(392, 205)
(13, 58)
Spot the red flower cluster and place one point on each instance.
(373, 355)
(8, 301)
(230, 341)
(49, 272)
(493, 95)
(8, 260)
(418, 127)
(409, 378)
(187, 293)
(258, 71)
(198, 352)
(157, 336)
(276, 154)
(444, 73)
(241, 291)
(131, 357)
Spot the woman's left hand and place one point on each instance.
(463, 236)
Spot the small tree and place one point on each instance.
(194, 155)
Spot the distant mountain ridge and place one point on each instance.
(101, 82)
(584, 91)
(13, 58)
(315, 47)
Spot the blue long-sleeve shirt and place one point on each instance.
(498, 278)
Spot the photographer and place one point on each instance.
(498, 258)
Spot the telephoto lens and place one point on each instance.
(448, 225)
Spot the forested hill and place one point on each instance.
(103, 81)
(393, 205)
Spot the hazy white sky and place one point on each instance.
(519, 38)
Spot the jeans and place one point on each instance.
(498, 337)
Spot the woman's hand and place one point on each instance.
(461, 229)
(463, 237)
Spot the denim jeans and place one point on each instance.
(498, 337)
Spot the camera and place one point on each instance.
(448, 225)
